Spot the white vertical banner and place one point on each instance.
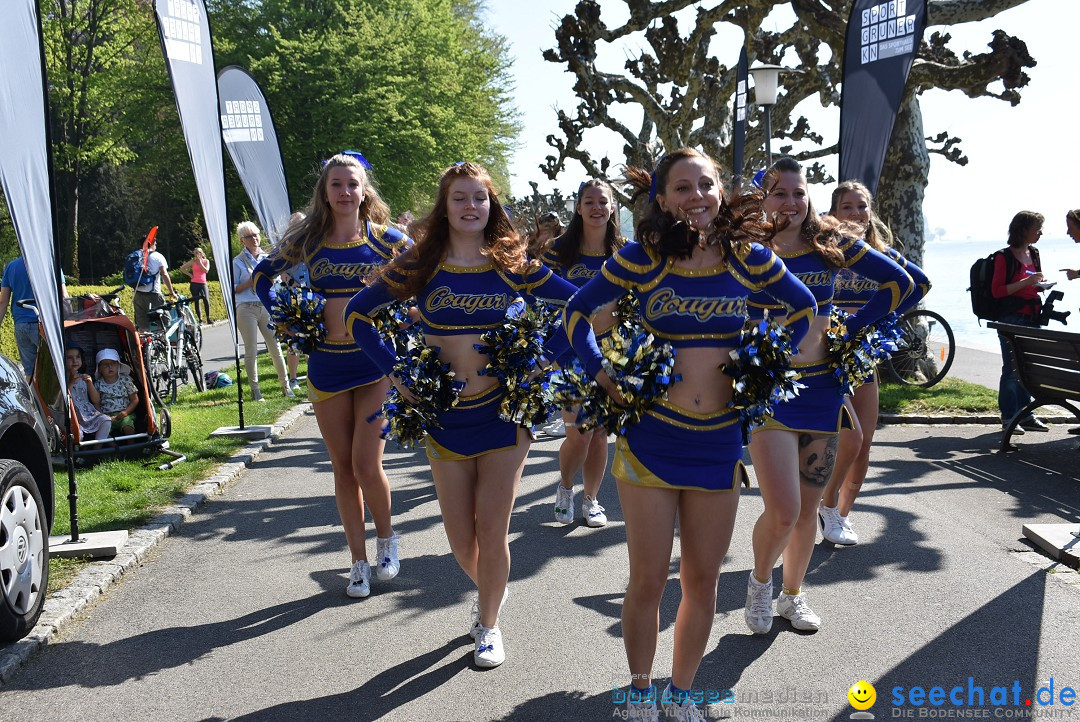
(250, 138)
(189, 56)
(24, 165)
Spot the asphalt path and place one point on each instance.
(242, 614)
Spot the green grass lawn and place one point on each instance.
(950, 396)
(124, 494)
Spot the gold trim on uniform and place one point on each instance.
(636, 267)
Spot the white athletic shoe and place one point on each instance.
(592, 512)
(641, 706)
(564, 505)
(359, 580)
(489, 650)
(852, 537)
(832, 529)
(387, 553)
(758, 612)
(795, 609)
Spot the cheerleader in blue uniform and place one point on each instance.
(342, 239)
(852, 203)
(578, 254)
(795, 452)
(467, 266)
(691, 273)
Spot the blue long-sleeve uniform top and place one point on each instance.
(699, 307)
(336, 271)
(853, 291)
(894, 284)
(456, 300)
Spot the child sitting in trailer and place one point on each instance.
(84, 397)
(119, 397)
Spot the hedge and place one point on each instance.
(7, 329)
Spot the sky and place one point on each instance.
(1018, 156)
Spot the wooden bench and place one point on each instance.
(1048, 367)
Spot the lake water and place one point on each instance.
(948, 264)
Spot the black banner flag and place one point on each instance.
(738, 126)
(24, 166)
(882, 41)
(249, 135)
(189, 56)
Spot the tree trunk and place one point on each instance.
(903, 181)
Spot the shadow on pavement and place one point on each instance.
(141, 655)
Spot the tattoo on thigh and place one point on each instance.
(817, 457)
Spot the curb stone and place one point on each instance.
(93, 581)
(985, 419)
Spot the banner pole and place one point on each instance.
(58, 278)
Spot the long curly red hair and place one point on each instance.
(414, 267)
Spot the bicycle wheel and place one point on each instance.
(194, 363)
(926, 351)
(158, 369)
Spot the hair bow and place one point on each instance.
(356, 155)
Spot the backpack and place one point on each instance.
(983, 303)
(134, 270)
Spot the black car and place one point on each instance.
(26, 503)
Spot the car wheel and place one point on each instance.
(24, 551)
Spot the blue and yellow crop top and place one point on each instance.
(702, 307)
(584, 269)
(853, 291)
(336, 271)
(457, 300)
(894, 284)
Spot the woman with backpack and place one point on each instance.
(1016, 284)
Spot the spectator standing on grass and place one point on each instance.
(15, 287)
(197, 268)
(148, 296)
(252, 317)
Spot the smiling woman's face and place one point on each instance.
(788, 199)
(691, 192)
(468, 205)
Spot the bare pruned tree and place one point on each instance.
(682, 93)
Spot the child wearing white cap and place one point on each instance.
(119, 397)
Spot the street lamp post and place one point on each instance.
(766, 78)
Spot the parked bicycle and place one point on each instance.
(171, 351)
(926, 350)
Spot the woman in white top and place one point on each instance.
(251, 315)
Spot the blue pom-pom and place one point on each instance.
(296, 317)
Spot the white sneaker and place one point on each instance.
(359, 580)
(387, 552)
(489, 648)
(564, 505)
(289, 393)
(758, 612)
(831, 527)
(685, 711)
(592, 512)
(852, 537)
(555, 428)
(474, 629)
(798, 612)
(642, 710)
